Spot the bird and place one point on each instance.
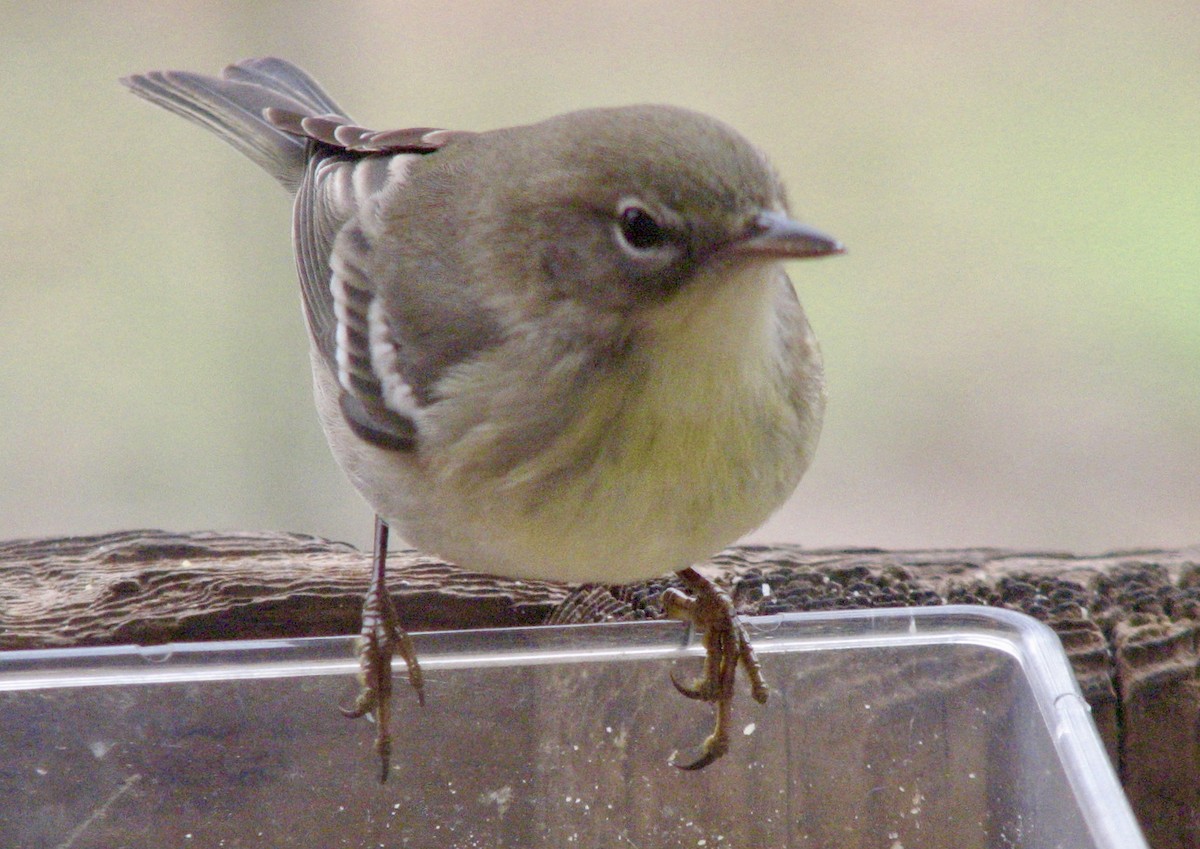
(566, 350)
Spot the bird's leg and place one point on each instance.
(380, 638)
(726, 647)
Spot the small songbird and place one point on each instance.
(566, 351)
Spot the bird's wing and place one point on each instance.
(349, 170)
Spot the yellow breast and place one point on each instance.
(677, 456)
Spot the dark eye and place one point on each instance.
(640, 231)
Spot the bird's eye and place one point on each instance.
(639, 230)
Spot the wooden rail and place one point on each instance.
(1128, 620)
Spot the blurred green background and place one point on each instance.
(1012, 342)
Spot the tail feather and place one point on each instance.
(284, 78)
(232, 107)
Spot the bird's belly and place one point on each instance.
(661, 497)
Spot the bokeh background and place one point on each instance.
(1012, 343)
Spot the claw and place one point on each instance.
(380, 639)
(700, 689)
(727, 646)
(715, 745)
(363, 704)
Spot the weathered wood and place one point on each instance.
(152, 587)
(1128, 620)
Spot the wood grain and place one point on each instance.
(1128, 620)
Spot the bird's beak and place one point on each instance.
(774, 235)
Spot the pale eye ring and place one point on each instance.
(638, 231)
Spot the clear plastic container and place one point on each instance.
(955, 727)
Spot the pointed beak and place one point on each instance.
(774, 235)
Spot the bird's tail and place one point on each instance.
(232, 108)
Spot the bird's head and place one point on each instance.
(624, 207)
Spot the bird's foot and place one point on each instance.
(381, 638)
(726, 645)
